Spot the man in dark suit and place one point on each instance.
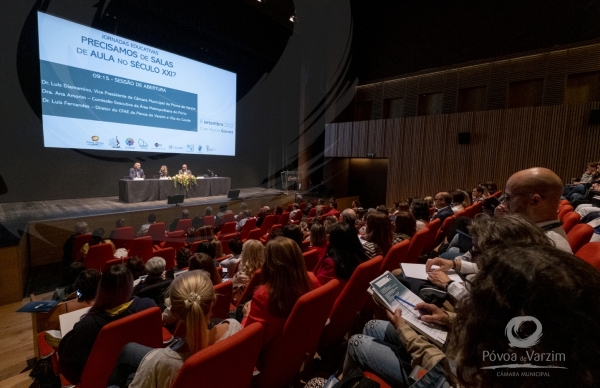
(136, 171)
(442, 203)
(184, 170)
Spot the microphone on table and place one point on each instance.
(213, 174)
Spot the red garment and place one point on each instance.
(333, 212)
(325, 270)
(321, 251)
(259, 312)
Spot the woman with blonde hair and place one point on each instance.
(192, 296)
(253, 257)
(164, 172)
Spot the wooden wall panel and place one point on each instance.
(425, 157)
(344, 143)
(359, 139)
(376, 138)
(330, 140)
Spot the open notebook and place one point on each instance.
(384, 290)
(417, 271)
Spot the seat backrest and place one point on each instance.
(255, 281)
(564, 210)
(110, 263)
(184, 224)
(78, 243)
(284, 219)
(144, 328)
(590, 253)
(395, 256)
(579, 235)
(254, 234)
(209, 220)
(303, 205)
(248, 226)
(174, 242)
(570, 220)
(312, 212)
(447, 225)
(142, 248)
(433, 227)
(416, 245)
(349, 303)
(168, 254)
(476, 208)
(281, 361)
(224, 239)
(298, 216)
(305, 246)
(195, 245)
(228, 217)
(123, 237)
(98, 255)
(157, 232)
(228, 228)
(212, 366)
(221, 308)
(266, 224)
(289, 207)
(311, 258)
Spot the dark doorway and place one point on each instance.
(367, 178)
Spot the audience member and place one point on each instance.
(491, 187)
(85, 287)
(253, 257)
(208, 248)
(458, 240)
(467, 202)
(144, 228)
(430, 201)
(97, 238)
(318, 239)
(487, 233)
(329, 222)
(478, 194)
(119, 224)
(113, 301)
(80, 228)
(245, 215)
(218, 247)
(222, 211)
(229, 265)
(334, 210)
(513, 282)
(205, 262)
(405, 226)
(136, 266)
(192, 296)
(185, 214)
(379, 236)
(348, 216)
(458, 197)
(535, 193)
(344, 253)
(197, 222)
(204, 233)
(155, 285)
(293, 232)
(284, 280)
(66, 287)
(420, 210)
(442, 201)
(383, 210)
(182, 261)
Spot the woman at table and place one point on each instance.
(164, 172)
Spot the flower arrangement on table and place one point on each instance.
(186, 180)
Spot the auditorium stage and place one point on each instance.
(15, 216)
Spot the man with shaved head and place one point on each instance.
(535, 193)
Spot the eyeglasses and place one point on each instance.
(508, 198)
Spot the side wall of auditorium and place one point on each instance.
(520, 112)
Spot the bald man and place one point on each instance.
(535, 193)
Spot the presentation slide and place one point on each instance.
(105, 92)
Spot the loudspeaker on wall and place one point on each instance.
(464, 138)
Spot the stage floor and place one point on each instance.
(14, 216)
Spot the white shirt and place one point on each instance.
(557, 235)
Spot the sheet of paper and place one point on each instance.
(417, 271)
(68, 320)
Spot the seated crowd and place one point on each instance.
(515, 261)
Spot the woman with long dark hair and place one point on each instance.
(379, 235)
(284, 281)
(344, 254)
(113, 301)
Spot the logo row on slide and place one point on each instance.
(130, 144)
